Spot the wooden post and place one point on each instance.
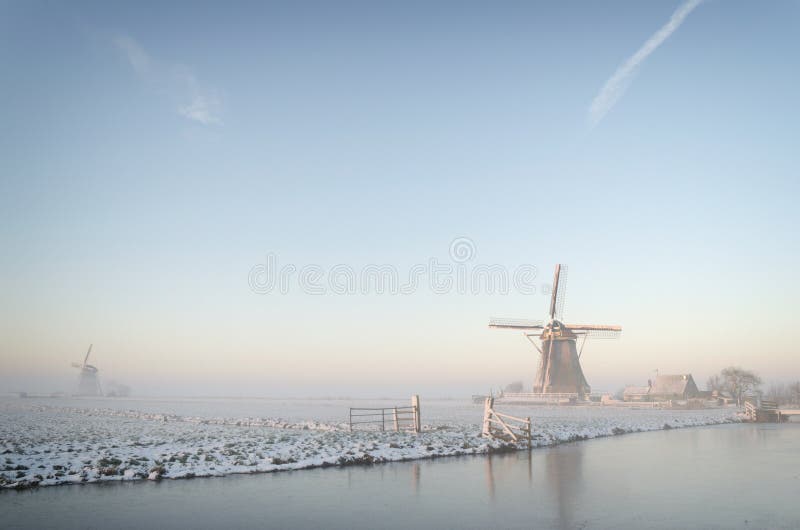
(394, 415)
(529, 431)
(351, 420)
(417, 418)
(383, 419)
(487, 414)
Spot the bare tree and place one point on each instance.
(784, 394)
(739, 381)
(794, 392)
(779, 393)
(715, 383)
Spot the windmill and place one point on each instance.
(88, 382)
(560, 368)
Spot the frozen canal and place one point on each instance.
(725, 476)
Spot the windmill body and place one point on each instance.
(88, 380)
(560, 368)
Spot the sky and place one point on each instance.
(157, 158)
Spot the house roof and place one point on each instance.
(636, 390)
(671, 384)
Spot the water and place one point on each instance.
(730, 476)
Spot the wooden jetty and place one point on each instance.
(768, 412)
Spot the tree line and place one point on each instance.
(739, 382)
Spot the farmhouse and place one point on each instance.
(666, 387)
(636, 393)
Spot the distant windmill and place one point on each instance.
(560, 370)
(88, 382)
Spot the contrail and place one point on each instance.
(203, 105)
(617, 84)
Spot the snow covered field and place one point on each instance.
(60, 441)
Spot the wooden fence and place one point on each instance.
(538, 398)
(505, 427)
(396, 418)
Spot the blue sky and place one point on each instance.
(152, 154)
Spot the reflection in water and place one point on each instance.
(489, 478)
(564, 478)
(530, 468)
(506, 464)
(415, 472)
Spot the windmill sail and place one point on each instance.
(554, 292)
(87, 354)
(559, 294)
(515, 323)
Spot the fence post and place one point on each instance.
(351, 419)
(530, 428)
(394, 416)
(487, 413)
(417, 419)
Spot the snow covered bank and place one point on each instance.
(47, 444)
